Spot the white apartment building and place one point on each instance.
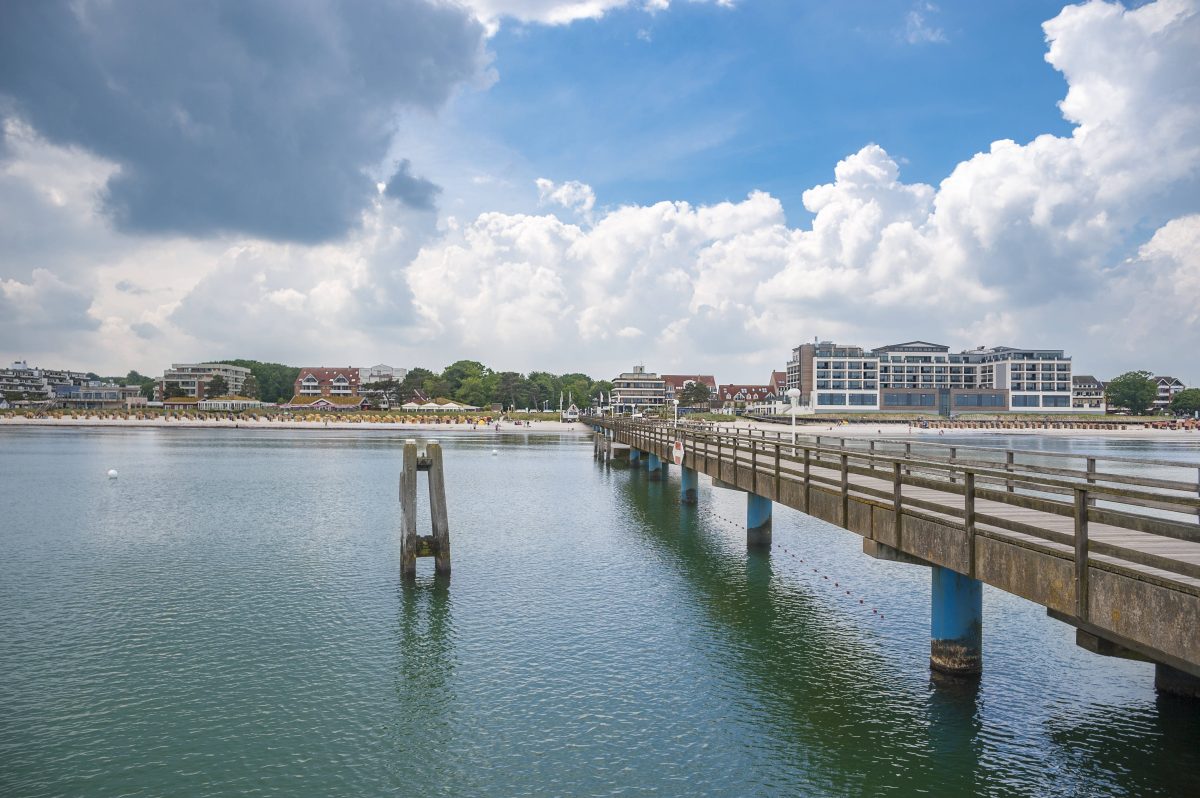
(191, 379)
(1038, 380)
(1087, 394)
(381, 372)
(22, 381)
(918, 376)
(638, 390)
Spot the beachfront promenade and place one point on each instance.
(1108, 545)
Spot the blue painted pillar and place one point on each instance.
(689, 483)
(655, 467)
(956, 627)
(758, 522)
(635, 457)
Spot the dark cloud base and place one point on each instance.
(263, 118)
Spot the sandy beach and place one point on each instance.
(251, 423)
(895, 430)
(882, 430)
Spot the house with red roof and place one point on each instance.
(675, 383)
(739, 396)
(336, 386)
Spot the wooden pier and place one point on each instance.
(1108, 545)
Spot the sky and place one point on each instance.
(584, 185)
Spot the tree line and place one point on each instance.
(1136, 391)
(466, 381)
(473, 383)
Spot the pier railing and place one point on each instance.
(1140, 520)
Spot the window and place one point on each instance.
(831, 398)
(1025, 401)
(1056, 401)
(864, 398)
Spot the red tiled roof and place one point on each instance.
(339, 401)
(750, 391)
(677, 381)
(325, 374)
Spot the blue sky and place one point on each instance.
(768, 95)
(696, 185)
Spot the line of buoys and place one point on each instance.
(732, 523)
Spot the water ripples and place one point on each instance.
(227, 618)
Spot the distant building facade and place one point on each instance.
(1167, 388)
(924, 377)
(381, 373)
(331, 402)
(96, 395)
(24, 383)
(1087, 393)
(737, 397)
(675, 383)
(638, 390)
(191, 380)
(324, 381)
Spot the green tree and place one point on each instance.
(413, 381)
(543, 388)
(250, 387)
(215, 387)
(175, 392)
(388, 390)
(510, 388)
(276, 381)
(1186, 402)
(435, 386)
(694, 394)
(474, 391)
(599, 387)
(461, 370)
(1134, 391)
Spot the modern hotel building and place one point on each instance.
(638, 390)
(918, 376)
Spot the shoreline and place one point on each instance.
(546, 427)
(901, 430)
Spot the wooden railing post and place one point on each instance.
(1009, 458)
(736, 451)
(778, 473)
(1091, 479)
(953, 457)
(753, 466)
(1081, 553)
(907, 456)
(897, 501)
(807, 477)
(845, 491)
(969, 520)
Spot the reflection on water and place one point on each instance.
(228, 617)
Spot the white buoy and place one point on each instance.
(112, 473)
(495, 452)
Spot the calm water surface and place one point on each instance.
(227, 618)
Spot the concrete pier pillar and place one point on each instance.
(655, 467)
(689, 484)
(758, 521)
(635, 457)
(956, 626)
(1175, 682)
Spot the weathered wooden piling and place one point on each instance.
(412, 545)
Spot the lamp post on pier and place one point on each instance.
(676, 403)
